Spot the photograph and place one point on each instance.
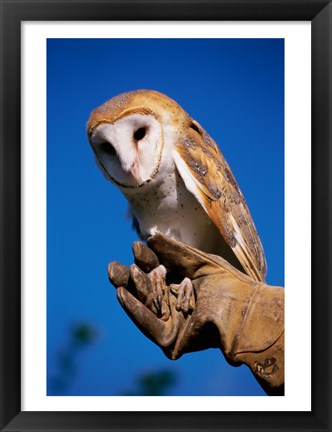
(181, 140)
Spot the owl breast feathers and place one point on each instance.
(174, 177)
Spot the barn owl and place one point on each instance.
(175, 179)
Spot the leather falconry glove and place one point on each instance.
(242, 317)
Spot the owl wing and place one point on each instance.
(207, 175)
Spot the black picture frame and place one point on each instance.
(13, 12)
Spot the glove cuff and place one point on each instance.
(267, 366)
(259, 342)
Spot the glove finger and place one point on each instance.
(144, 257)
(180, 257)
(144, 288)
(118, 274)
(160, 332)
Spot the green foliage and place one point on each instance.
(156, 383)
(81, 336)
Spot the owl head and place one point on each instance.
(127, 135)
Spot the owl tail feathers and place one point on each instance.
(248, 263)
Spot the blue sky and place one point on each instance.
(235, 89)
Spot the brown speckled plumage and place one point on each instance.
(222, 198)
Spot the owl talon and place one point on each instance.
(157, 305)
(174, 288)
(157, 277)
(185, 295)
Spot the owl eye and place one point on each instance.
(107, 148)
(140, 134)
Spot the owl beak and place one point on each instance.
(134, 171)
